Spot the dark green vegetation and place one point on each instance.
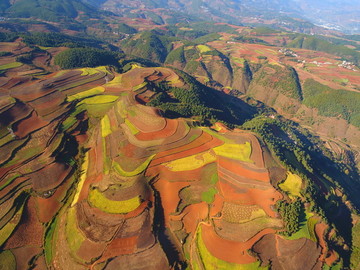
(204, 103)
(251, 40)
(49, 10)
(284, 80)
(149, 45)
(292, 213)
(59, 40)
(126, 29)
(332, 102)
(86, 57)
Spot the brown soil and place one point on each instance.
(23, 255)
(26, 126)
(169, 130)
(237, 168)
(152, 258)
(227, 250)
(29, 232)
(287, 254)
(44, 179)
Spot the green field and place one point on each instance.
(10, 65)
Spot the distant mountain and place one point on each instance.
(48, 10)
(339, 15)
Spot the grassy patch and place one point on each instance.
(48, 245)
(88, 93)
(305, 229)
(292, 185)
(7, 260)
(355, 255)
(105, 126)
(137, 171)
(240, 152)
(98, 200)
(138, 87)
(9, 181)
(73, 235)
(84, 168)
(203, 48)
(208, 196)
(10, 65)
(212, 263)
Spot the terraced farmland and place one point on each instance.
(102, 181)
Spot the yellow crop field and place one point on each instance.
(92, 71)
(210, 262)
(87, 93)
(10, 65)
(133, 66)
(203, 48)
(292, 185)
(239, 152)
(105, 126)
(74, 236)
(84, 168)
(117, 80)
(137, 171)
(98, 200)
(99, 99)
(191, 162)
(138, 87)
(131, 127)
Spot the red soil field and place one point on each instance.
(48, 207)
(192, 215)
(120, 246)
(28, 125)
(202, 139)
(169, 130)
(194, 151)
(165, 173)
(327, 256)
(264, 198)
(237, 168)
(240, 181)
(90, 250)
(216, 206)
(227, 250)
(169, 192)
